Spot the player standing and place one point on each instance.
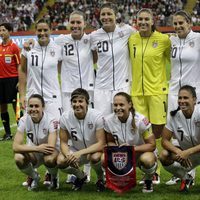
(149, 52)
(9, 62)
(109, 45)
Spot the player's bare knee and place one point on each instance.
(147, 159)
(20, 160)
(165, 157)
(95, 157)
(50, 161)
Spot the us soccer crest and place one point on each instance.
(90, 125)
(119, 160)
(121, 34)
(155, 44)
(52, 52)
(120, 167)
(85, 41)
(191, 44)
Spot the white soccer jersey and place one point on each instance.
(37, 133)
(77, 67)
(82, 132)
(123, 132)
(185, 61)
(42, 70)
(186, 131)
(113, 65)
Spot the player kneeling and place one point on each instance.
(84, 126)
(41, 143)
(127, 127)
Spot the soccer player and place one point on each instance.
(84, 126)
(182, 124)
(77, 63)
(39, 70)
(149, 51)
(38, 73)
(127, 127)
(185, 59)
(9, 62)
(41, 143)
(110, 49)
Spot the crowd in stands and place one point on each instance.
(196, 14)
(59, 13)
(21, 13)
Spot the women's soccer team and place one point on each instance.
(122, 102)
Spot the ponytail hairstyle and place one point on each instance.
(132, 109)
(191, 90)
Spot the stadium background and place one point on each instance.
(22, 14)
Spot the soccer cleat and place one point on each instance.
(34, 183)
(78, 183)
(173, 181)
(148, 186)
(70, 179)
(6, 137)
(88, 179)
(47, 179)
(100, 185)
(156, 179)
(27, 182)
(54, 183)
(141, 182)
(186, 184)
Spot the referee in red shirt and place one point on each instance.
(9, 62)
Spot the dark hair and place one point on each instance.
(78, 12)
(153, 27)
(185, 15)
(38, 96)
(132, 109)
(109, 5)
(191, 90)
(43, 21)
(80, 92)
(8, 26)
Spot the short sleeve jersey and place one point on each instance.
(42, 70)
(82, 132)
(113, 65)
(37, 133)
(124, 132)
(9, 60)
(185, 62)
(77, 66)
(148, 58)
(186, 131)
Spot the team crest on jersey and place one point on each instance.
(44, 130)
(119, 159)
(191, 44)
(85, 41)
(90, 125)
(52, 52)
(121, 34)
(145, 121)
(154, 44)
(197, 123)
